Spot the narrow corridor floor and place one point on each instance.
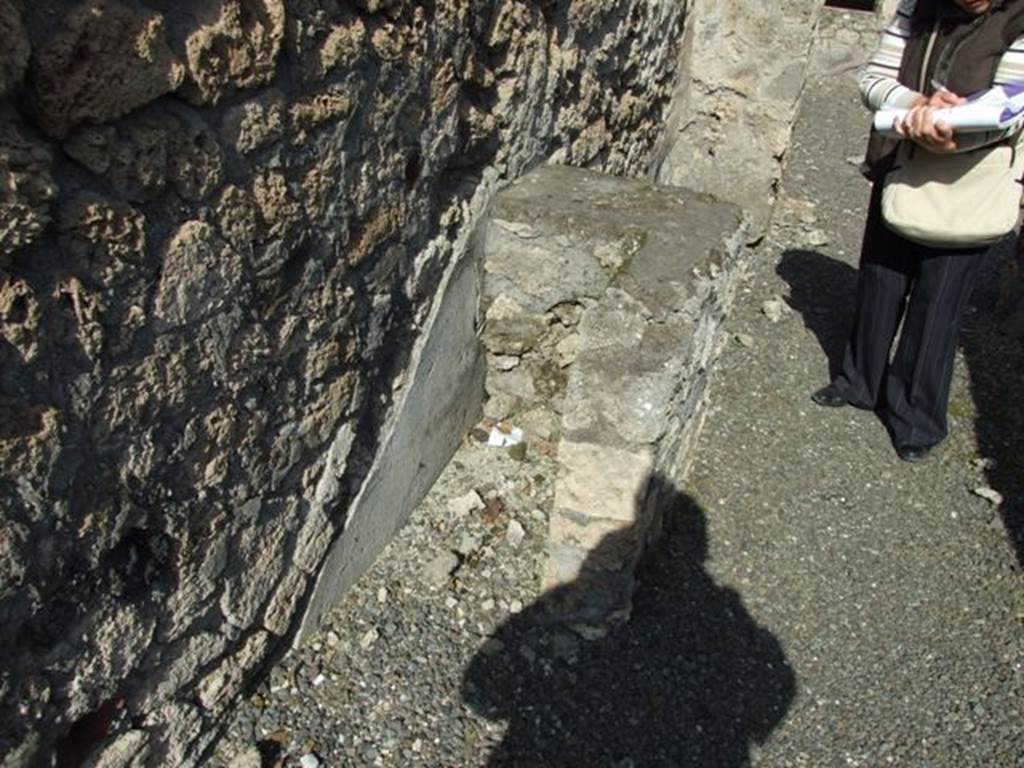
(893, 589)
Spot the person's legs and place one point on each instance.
(888, 264)
(917, 385)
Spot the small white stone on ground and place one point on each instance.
(775, 309)
(382, 595)
(468, 544)
(505, 437)
(989, 494)
(515, 533)
(516, 606)
(463, 505)
(503, 362)
(309, 761)
(332, 639)
(319, 680)
(437, 571)
(817, 238)
(369, 638)
(744, 340)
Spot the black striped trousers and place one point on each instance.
(928, 290)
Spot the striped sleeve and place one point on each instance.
(879, 84)
(1010, 70)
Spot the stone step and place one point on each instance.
(603, 301)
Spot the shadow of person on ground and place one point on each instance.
(690, 680)
(993, 347)
(823, 290)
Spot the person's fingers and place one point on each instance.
(919, 121)
(910, 122)
(944, 98)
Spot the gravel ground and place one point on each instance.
(813, 602)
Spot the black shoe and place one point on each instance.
(913, 452)
(828, 397)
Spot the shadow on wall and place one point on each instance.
(822, 290)
(690, 680)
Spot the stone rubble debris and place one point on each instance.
(503, 436)
(515, 533)
(989, 494)
(369, 638)
(775, 309)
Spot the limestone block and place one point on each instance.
(107, 235)
(117, 638)
(277, 207)
(235, 48)
(189, 655)
(281, 608)
(255, 553)
(195, 163)
(599, 482)
(511, 329)
(106, 60)
(27, 187)
(636, 350)
(255, 123)
(342, 46)
(732, 115)
(150, 151)
(14, 56)
(627, 373)
(20, 314)
(201, 276)
(237, 218)
(222, 684)
(312, 111)
(540, 270)
(175, 726)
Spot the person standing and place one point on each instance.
(932, 53)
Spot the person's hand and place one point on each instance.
(920, 126)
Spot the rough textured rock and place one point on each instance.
(603, 300)
(26, 186)
(14, 57)
(733, 114)
(225, 232)
(235, 47)
(106, 59)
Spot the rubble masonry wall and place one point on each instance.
(223, 228)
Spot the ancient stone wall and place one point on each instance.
(745, 64)
(223, 226)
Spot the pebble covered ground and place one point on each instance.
(813, 602)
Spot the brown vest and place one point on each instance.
(967, 47)
(964, 57)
